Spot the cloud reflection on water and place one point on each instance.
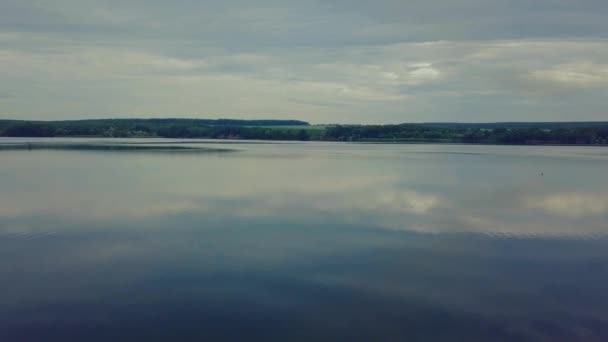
(414, 192)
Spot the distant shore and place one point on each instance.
(515, 133)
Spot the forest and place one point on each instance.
(577, 133)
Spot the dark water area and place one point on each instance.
(303, 241)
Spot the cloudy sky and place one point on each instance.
(355, 61)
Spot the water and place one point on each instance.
(304, 241)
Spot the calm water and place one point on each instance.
(305, 241)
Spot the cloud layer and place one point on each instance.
(332, 61)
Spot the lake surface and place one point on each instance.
(303, 241)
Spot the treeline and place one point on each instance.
(173, 121)
(167, 128)
(518, 125)
(597, 135)
(237, 132)
(535, 133)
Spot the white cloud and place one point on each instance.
(583, 74)
(424, 74)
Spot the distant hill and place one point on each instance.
(162, 122)
(170, 128)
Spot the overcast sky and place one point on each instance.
(332, 61)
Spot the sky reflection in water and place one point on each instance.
(305, 241)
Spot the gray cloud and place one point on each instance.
(331, 61)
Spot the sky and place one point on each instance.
(331, 61)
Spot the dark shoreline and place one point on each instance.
(142, 145)
(100, 146)
(525, 134)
